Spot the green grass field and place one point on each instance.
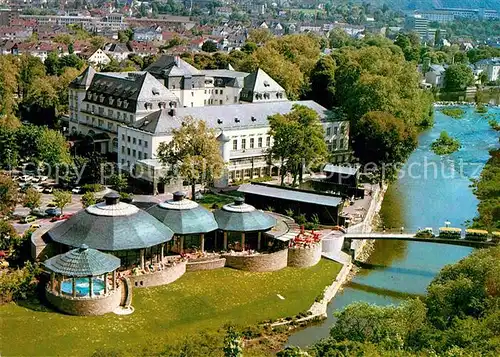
(198, 301)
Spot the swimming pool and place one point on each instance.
(82, 286)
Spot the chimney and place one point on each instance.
(177, 60)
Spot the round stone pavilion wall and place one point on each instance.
(258, 262)
(164, 277)
(299, 257)
(206, 265)
(98, 305)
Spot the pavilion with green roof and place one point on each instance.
(83, 274)
(185, 218)
(243, 220)
(116, 227)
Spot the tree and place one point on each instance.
(383, 142)
(31, 70)
(52, 63)
(457, 77)
(411, 50)
(53, 148)
(193, 154)
(88, 199)
(259, 36)
(249, 47)
(209, 46)
(323, 81)
(119, 182)
(8, 194)
(298, 141)
(97, 42)
(32, 199)
(62, 198)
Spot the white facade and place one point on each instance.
(98, 58)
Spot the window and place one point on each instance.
(220, 102)
(131, 118)
(128, 138)
(145, 144)
(101, 123)
(328, 131)
(88, 106)
(133, 141)
(341, 143)
(335, 129)
(140, 142)
(110, 126)
(235, 144)
(205, 91)
(192, 104)
(216, 91)
(221, 91)
(252, 143)
(243, 144)
(128, 151)
(93, 108)
(235, 99)
(139, 155)
(110, 112)
(123, 137)
(123, 161)
(268, 141)
(133, 153)
(145, 155)
(101, 110)
(259, 142)
(204, 102)
(123, 149)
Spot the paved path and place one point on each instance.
(411, 237)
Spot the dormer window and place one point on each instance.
(155, 91)
(236, 120)
(111, 100)
(266, 84)
(89, 95)
(125, 103)
(94, 96)
(219, 121)
(118, 102)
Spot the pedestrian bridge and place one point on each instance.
(411, 237)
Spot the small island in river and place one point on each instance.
(445, 144)
(455, 113)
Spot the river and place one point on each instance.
(429, 191)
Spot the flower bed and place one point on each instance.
(449, 232)
(476, 234)
(257, 262)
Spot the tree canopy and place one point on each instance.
(457, 77)
(193, 154)
(298, 141)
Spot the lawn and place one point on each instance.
(209, 199)
(198, 301)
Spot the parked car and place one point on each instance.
(39, 213)
(35, 226)
(61, 217)
(28, 219)
(77, 190)
(53, 212)
(51, 204)
(49, 189)
(35, 179)
(25, 178)
(38, 188)
(43, 178)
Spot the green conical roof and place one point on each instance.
(241, 217)
(82, 262)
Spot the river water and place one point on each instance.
(429, 191)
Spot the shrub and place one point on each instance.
(445, 144)
(300, 219)
(16, 284)
(92, 187)
(126, 197)
(455, 113)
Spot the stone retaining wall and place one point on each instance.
(304, 257)
(166, 276)
(259, 262)
(206, 265)
(98, 305)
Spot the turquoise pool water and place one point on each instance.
(82, 286)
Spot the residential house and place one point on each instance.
(435, 75)
(490, 66)
(148, 34)
(96, 58)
